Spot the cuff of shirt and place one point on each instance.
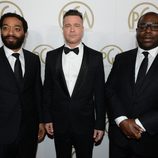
(118, 120)
(139, 124)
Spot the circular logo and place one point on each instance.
(41, 51)
(109, 52)
(7, 6)
(138, 11)
(88, 17)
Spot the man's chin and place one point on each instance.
(10, 46)
(148, 46)
(10, 43)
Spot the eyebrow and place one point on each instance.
(14, 25)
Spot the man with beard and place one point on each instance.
(20, 92)
(132, 90)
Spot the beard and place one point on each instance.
(16, 44)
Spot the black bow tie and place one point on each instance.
(67, 50)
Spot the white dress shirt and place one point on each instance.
(151, 56)
(12, 59)
(71, 64)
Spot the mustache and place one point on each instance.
(10, 37)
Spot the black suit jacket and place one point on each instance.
(85, 109)
(20, 109)
(125, 101)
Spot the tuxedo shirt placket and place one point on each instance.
(71, 64)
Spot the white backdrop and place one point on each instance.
(109, 28)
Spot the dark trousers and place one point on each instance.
(18, 150)
(24, 146)
(116, 151)
(83, 145)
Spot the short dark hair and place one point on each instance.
(73, 12)
(24, 22)
(148, 13)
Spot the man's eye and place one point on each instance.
(17, 29)
(66, 26)
(77, 25)
(5, 28)
(155, 27)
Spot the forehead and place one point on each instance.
(72, 19)
(149, 18)
(12, 21)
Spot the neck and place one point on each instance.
(15, 50)
(72, 45)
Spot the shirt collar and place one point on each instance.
(9, 52)
(153, 52)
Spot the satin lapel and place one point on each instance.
(150, 74)
(60, 73)
(83, 72)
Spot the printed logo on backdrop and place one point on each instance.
(7, 6)
(109, 53)
(138, 11)
(41, 51)
(88, 16)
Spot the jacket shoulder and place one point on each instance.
(92, 51)
(127, 53)
(29, 53)
(55, 51)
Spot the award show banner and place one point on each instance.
(109, 28)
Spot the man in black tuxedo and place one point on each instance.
(74, 92)
(132, 92)
(20, 92)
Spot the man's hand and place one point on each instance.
(41, 132)
(131, 129)
(98, 135)
(49, 128)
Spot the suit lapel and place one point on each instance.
(83, 71)
(5, 65)
(27, 65)
(5, 61)
(60, 73)
(132, 67)
(128, 69)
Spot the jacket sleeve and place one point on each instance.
(99, 95)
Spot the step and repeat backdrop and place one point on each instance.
(109, 28)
